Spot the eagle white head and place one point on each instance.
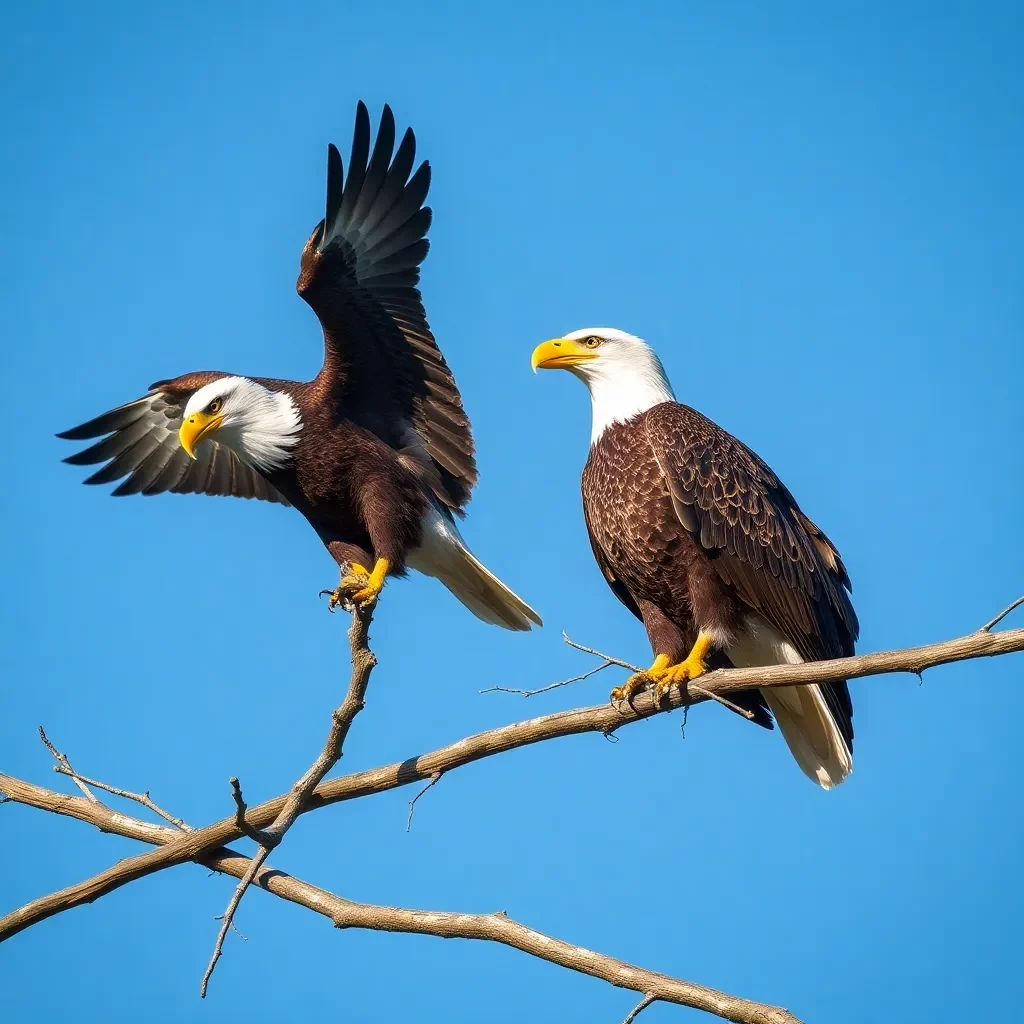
(622, 372)
(259, 425)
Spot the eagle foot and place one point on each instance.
(666, 678)
(663, 675)
(359, 587)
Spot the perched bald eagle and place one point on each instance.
(699, 539)
(376, 451)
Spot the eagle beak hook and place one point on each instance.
(545, 352)
(559, 354)
(195, 428)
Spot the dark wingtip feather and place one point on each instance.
(357, 160)
(424, 169)
(387, 122)
(84, 431)
(335, 188)
(107, 422)
(81, 458)
(104, 476)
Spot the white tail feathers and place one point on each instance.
(443, 554)
(804, 719)
(809, 730)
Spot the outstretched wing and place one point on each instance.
(140, 442)
(741, 514)
(360, 271)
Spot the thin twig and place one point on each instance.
(495, 927)
(600, 654)
(63, 762)
(240, 808)
(434, 780)
(602, 719)
(139, 798)
(700, 691)
(234, 927)
(551, 686)
(649, 998)
(989, 626)
(363, 662)
(63, 767)
(227, 919)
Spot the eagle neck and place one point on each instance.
(620, 399)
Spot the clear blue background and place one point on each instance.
(815, 216)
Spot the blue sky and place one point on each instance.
(814, 215)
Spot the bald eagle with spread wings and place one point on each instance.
(701, 540)
(376, 451)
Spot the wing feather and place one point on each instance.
(360, 274)
(780, 564)
(142, 447)
(618, 588)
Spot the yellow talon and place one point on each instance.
(640, 680)
(360, 586)
(664, 675)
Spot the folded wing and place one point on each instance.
(782, 566)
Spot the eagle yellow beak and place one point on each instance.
(198, 426)
(560, 354)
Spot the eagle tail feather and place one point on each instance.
(802, 713)
(811, 733)
(443, 554)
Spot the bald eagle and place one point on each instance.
(376, 451)
(700, 540)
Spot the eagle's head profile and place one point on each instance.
(622, 372)
(261, 426)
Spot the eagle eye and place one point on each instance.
(592, 342)
(214, 407)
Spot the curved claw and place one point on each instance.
(631, 687)
(339, 598)
(358, 587)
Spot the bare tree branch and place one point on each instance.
(63, 767)
(234, 928)
(495, 927)
(434, 780)
(724, 701)
(363, 663)
(257, 835)
(65, 764)
(139, 798)
(649, 998)
(992, 623)
(551, 686)
(600, 654)
(603, 718)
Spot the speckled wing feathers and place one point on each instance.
(619, 589)
(778, 561)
